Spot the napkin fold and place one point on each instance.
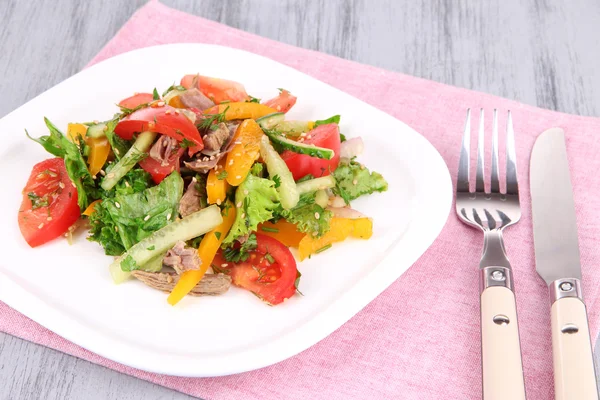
(420, 338)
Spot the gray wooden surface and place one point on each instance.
(542, 52)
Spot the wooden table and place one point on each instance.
(542, 53)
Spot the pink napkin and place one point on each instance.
(420, 338)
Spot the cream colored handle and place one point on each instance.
(500, 346)
(574, 376)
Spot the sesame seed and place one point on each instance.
(212, 158)
(238, 177)
(238, 142)
(52, 174)
(49, 219)
(246, 192)
(117, 204)
(176, 112)
(93, 176)
(126, 183)
(169, 216)
(116, 228)
(243, 215)
(317, 216)
(104, 173)
(230, 162)
(224, 265)
(301, 140)
(205, 159)
(278, 108)
(167, 112)
(218, 202)
(238, 154)
(238, 205)
(110, 175)
(146, 218)
(116, 152)
(315, 233)
(309, 137)
(354, 182)
(40, 226)
(160, 103)
(169, 279)
(362, 166)
(61, 185)
(303, 134)
(75, 186)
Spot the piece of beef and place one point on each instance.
(182, 258)
(190, 201)
(164, 147)
(215, 139)
(194, 98)
(205, 163)
(210, 285)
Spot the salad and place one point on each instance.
(200, 188)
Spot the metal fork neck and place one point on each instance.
(494, 254)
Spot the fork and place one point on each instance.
(492, 211)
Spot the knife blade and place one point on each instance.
(557, 261)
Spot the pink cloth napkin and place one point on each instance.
(422, 340)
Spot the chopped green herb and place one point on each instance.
(126, 111)
(173, 87)
(237, 255)
(128, 264)
(185, 143)
(267, 229)
(297, 281)
(218, 235)
(277, 180)
(151, 247)
(222, 175)
(322, 249)
(37, 201)
(155, 95)
(253, 100)
(331, 120)
(342, 137)
(212, 119)
(270, 258)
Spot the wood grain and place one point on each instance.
(541, 52)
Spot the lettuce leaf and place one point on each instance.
(124, 219)
(257, 199)
(308, 216)
(354, 180)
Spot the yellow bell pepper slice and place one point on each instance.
(282, 230)
(242, 110)
(91, 208)
(99, 150)
(206, 251)
(340, 230)
(216, 189)
(75, 130)
(244, 152)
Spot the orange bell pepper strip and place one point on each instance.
(75, 130)
(282, 230)
(91, 208)
(245, 151)
(99, 150)
(176, 102)
(340, 230)
(206, 251)
(241, 110)
(216, 189)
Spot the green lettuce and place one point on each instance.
(354, 180)
(308, 216)
(127, 217)
(256, 200)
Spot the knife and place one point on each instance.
(557, 262)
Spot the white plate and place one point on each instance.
(68, 288)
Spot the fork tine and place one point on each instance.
(512, 186)
(462, 181)
(479, 180)
(495, 181)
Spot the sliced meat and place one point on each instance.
(182, 258)
(191, 200)
(215, 139)
(164, 147)
(207, 162)
(210, 285)
(194, 98)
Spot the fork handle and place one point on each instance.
(500, 345)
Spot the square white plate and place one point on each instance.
(68, 288)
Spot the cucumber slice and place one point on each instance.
(312, 185)
(297, 147)
(293, 128)
(96, 130)
(277, 167)
(144, 251)
(270, 120)
(321, 198)
(135, 154)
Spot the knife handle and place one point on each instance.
(574, 375)
(500, 345)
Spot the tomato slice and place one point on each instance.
(49, 206)
(160, 171)
(137, 100)
(218, 90)
(269, 272)
(162, 119)
(283, 102)
(327, 136)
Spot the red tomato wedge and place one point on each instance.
(162, 119)
(137, 100)
(283, 102)
(49, 206)
(269, 272)
(218, 90)
(327, 136)
(160, 171)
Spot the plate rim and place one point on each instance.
(332, 317)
